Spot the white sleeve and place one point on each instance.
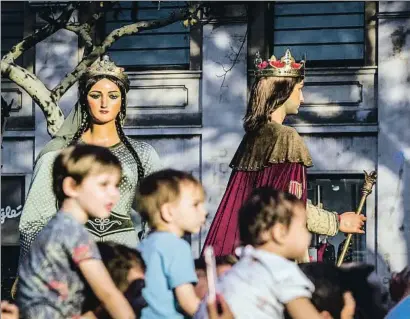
(293, 284)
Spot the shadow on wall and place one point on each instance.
(394, 132)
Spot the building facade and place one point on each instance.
(189, 89)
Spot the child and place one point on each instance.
(173, 203)
(272, 227)
(85, 182)
(223, 264)
(331, 296)
(127, 269)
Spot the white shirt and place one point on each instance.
(259, 285)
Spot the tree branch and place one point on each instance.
(131, 29)
(39, 35)
(82, 31)
(234, 62)
(39, 93)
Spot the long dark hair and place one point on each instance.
(85, 86)
(267, 94)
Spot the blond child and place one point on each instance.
(272, 228)
(173, 203)
(51, 285)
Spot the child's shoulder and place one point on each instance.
(164, 238)
(164, 242)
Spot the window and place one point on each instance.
(340, 194)
(12, 26)
(329, 33)
(164, 48)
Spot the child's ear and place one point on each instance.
(70, 187)
(166, 212)
(279, 232)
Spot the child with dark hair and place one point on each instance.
(330, 297)
(223, 264)
(265, 281)
(127, 269)
(64, 256)
(332, 283)
(173, 203)
(372, 298)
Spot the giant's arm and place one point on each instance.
(40, 204)
(321, 221)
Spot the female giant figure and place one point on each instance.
(98, 119)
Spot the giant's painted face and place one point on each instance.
(292, 104)
(104, 101)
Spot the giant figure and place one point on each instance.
(272, 154)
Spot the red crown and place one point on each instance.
(285, 67)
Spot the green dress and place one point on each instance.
(41, 203)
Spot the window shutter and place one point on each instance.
(329, 33)
(167, 47)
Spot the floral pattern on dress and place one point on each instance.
(51, 284)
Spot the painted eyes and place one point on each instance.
(111, 96)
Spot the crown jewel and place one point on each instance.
(106, 67)
(285, 67)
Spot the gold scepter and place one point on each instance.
(369, 181)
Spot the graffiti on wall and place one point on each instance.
(12, 199)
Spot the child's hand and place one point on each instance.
(349, 306)
(9, 311)
(213, 309)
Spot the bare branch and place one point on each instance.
(234, 62)
(83, 31)
(39, 93)
(47, 18)
(131, 29)
(40, 35)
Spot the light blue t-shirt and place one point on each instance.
(401, 310)
(169, 264)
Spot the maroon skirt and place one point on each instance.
(223, 234)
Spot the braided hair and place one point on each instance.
(85, 85)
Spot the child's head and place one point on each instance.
(123, 263)
(328, 294)
(223, 264)
(89, 175)
(275, 218)
(329, 297)
(172, 200)
(127, 270)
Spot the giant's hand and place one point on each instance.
(350, 222)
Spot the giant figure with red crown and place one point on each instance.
(273, 155)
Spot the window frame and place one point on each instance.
(195, 51)
(361, 242)
(260, 37)
(22, 119)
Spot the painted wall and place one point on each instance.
(393, 162)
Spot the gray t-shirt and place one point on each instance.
(51, 284)
(259, 285)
